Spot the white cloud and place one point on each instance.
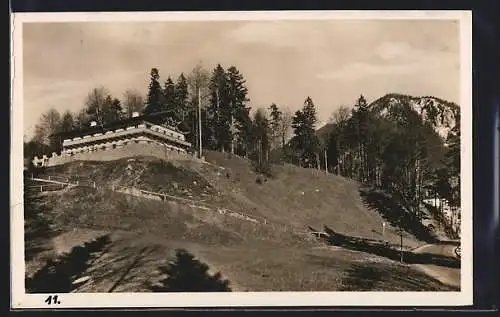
(393, 50)
(393, 59)
(357, 70)
(279, 34)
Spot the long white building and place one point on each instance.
(139, 135)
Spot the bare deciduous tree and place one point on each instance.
(132, 102)
(49, 124)
(340, 115)
(95, 102)
(198, 81)
(285, 128)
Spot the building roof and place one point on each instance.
(155, 118)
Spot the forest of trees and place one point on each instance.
(398, 152)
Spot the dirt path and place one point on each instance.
(446, 275)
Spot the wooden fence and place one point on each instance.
(53, 185)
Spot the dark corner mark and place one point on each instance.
(486, 96)
(227, 5)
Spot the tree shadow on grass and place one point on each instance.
(38, 227)
(58, 276)
(395, 213)
(132, 271)
(384, 277)
(380, 249)
(187, 274)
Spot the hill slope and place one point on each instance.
(295, 197)
(280, 254)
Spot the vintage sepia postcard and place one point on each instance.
(228, 159)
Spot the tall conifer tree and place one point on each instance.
(154, 100)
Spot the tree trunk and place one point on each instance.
(326, 162)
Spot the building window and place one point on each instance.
(113, 146)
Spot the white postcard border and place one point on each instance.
(107, 300)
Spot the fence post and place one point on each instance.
(49, 177)
(93, 184)
(41, 188)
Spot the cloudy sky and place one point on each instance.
(283, 61)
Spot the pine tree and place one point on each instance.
(360, 115)
(334, 149)
(116, 109)
(453, 162)
(261, 143)
(154, 101)
(219, 110)
(337, 145)
(305, 143)
(67, 122)
(181, 97)
(275, 124)
(239, 121)
(170, 103)
(111, 110)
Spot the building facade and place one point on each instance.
(131, 137)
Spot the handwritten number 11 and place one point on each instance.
(52, 299)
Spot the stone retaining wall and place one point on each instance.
(110, 154)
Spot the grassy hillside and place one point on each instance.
(299, 197)
(296, 197)
(278, 255)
